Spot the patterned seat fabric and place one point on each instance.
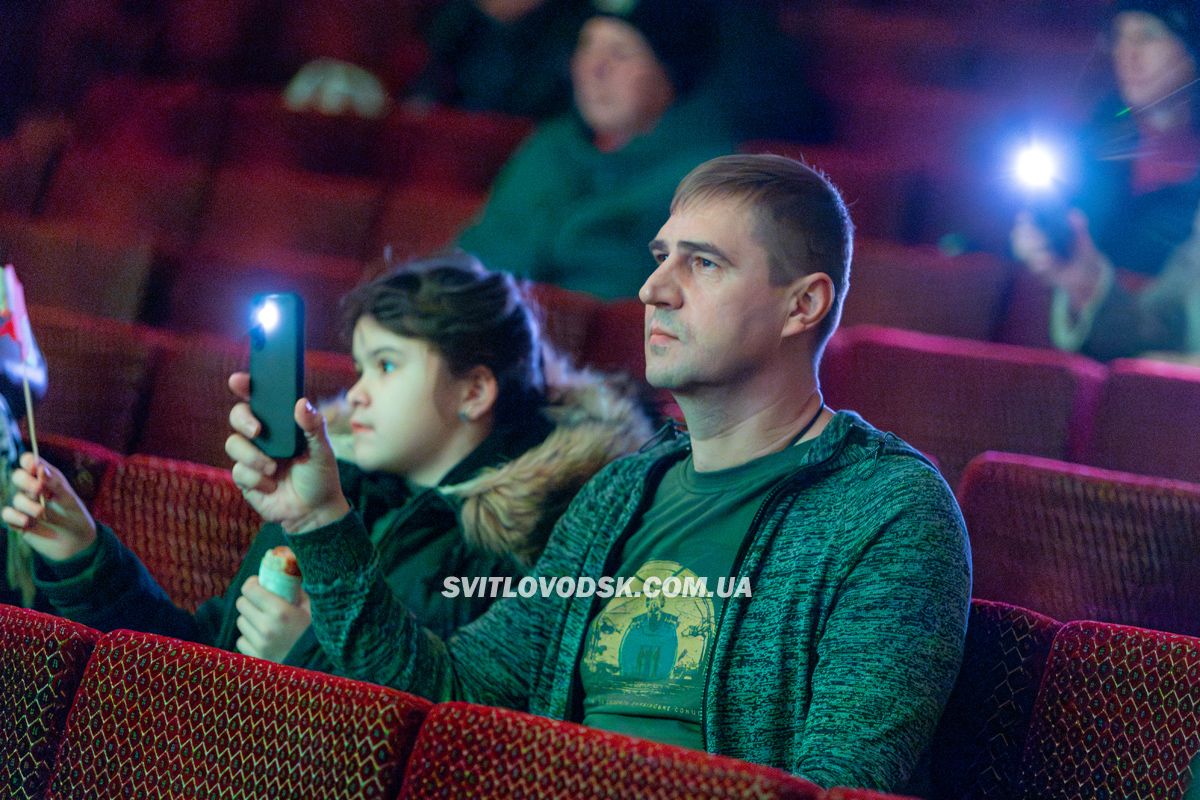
(162, 718)
(42, 659)
(978, 745)
(470, 751)
(1078, 542)
(846, 793)
(1116, 716)
(188, 523)
(83, 463)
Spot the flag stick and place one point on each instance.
(32, 428)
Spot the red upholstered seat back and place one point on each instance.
(83, 463)
(1083, 543)
(566, 317)
(1116, 716)
(42, 659)
(1148, 420)
(470, 751)
(955, 398)
(846, 793)
(98, 372)
(978, 745)
(162, 718)
(188, 523)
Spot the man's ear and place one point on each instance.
(479, 390)
(810, 299)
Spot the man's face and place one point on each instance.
(712, 316)
(621, 89)
(1150, 61)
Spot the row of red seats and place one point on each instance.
(955, 398)
(952, 398)
(1076, 542)
(1041, 709)
(133, 714)
(228, 40)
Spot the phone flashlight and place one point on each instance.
(267, 315)
(1039, 172)
(277, 372)
(1037, 167)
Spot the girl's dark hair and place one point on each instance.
(469, 315)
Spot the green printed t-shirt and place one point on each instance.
(646, 658)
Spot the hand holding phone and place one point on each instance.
(277, 372)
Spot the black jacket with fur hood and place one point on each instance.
(490, 516)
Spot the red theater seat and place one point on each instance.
(42, 659)
(131, 116)
(78, 265)
(98, 370)
(616, 341)
(566, 317)
(188, 523)
(977, 749)
(138, 197)
(450, 147)
(189, 401)
(1116, 716)
(157, 717)
(420, 220)
(188, 408)
(1084, 543)
(83, 463)
(257, 209)
(955, 398)
(920, 289)
(213, 290)
(1148, 420)
(264, 130)
(469, 751)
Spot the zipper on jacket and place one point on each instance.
(767, 505)
(654, 475)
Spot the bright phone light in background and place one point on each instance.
(1037, 166)
(267, 315)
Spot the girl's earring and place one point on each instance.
(463, 415)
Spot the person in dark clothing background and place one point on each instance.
(1140, 176)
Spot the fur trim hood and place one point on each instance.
(511, 508)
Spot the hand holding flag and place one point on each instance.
(14, 323)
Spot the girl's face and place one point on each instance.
(404, 407)
(1152, 63)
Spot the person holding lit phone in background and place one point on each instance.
(1137, 203)
(453, 448)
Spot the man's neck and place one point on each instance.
(733, 427)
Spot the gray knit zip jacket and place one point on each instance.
(836, 669)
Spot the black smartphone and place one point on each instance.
(1050, 215)
(277, 372)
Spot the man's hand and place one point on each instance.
(1079, 275)
(45, 509)
(270, 626)
(301, 494)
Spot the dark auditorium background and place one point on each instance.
(153, 179)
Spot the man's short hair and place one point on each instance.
(801, 220)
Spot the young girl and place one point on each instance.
(451, 447)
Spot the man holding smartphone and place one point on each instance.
(836, 661)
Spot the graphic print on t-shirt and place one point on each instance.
(649, 652)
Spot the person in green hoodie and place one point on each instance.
(454, 450)
(576, 203)
(835, 557)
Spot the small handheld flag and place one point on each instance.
(14, 323)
